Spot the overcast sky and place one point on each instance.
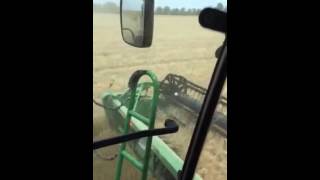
(178, 3)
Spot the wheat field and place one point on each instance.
(180, 46)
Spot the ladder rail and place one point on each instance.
(151, 121)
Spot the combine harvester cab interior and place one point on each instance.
(185, 108)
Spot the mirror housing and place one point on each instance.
(136, 17)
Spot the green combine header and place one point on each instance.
(140, 108)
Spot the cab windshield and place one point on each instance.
(183, 57)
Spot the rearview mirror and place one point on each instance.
(137, 22)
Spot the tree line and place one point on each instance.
(110, 7)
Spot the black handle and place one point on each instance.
(170, 127)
